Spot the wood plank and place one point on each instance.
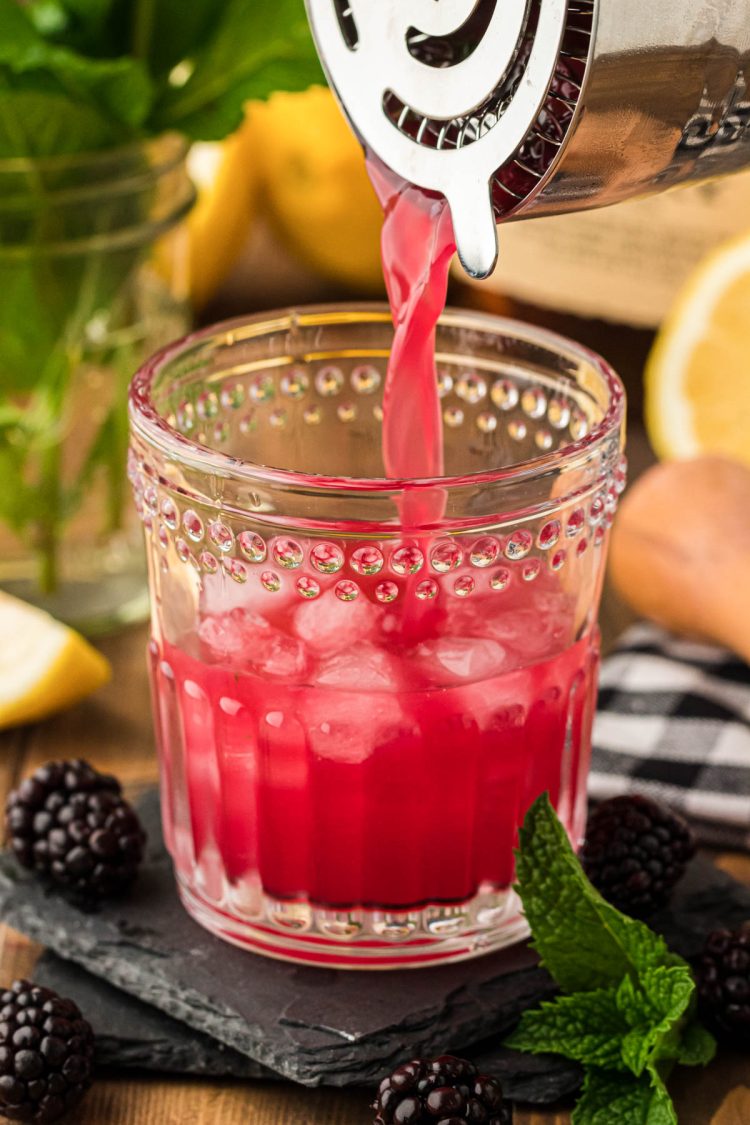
(698, 1094)
(156, 1102)
(736, 864)
(541, 1117)
(18, 955)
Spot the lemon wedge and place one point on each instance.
(225, 174)
(698, 374)
(44, 665)
(315, 189)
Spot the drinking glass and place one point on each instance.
(360, 684)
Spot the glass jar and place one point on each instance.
(361, 684)
(92, 280)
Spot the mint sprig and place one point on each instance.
(627, 1009)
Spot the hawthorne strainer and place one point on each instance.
(524, 107)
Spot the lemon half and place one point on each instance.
(698, 375)
(44, 665)
(316, 191)
(226, 176)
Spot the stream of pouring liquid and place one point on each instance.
(417, 247)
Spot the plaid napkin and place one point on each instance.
(674, 722)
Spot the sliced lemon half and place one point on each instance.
(226, 176)
(44, 665)
(316, 191)
(698, 374)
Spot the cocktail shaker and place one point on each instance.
(516, 108)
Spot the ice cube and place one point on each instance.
(328, 625)
(363, 668)
(343, 730)
(277, 655)
(221, 594)
(226, 635)
(532, 634)
(530, 622)
(460, 659)
(246, 640)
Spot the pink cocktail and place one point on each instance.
(361, 683)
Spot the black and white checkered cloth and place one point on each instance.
(674, 722)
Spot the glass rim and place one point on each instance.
(149, 424)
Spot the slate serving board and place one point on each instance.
(131, 1035)
(313, 1026)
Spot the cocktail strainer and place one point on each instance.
(518, 107)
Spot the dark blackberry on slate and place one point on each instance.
(636, 851)
(46, 1054)
(722, 974)
(71, 824)
(441, 1091)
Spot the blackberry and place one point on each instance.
(46, 1054)
(441, 1091)
(635, 851)
(72, 825)
(722, 974)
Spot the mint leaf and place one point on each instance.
(38, 119)
(583, 941)
(257, 46)
(654, 1008)
(17, 32)
(117, 90)
(587, 1027)
(48, 16)
(88, 11)
(77, 23)
(633, 1027)
(697, 1047)
(608, 1098)
(181, 31)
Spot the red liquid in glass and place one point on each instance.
(357, 754)
(349, 768)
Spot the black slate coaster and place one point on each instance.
(314, 1026)
(131, 1035)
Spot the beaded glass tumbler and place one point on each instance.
(360, 684)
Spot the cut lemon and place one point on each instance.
(698, 375)
(44, 665)
(316, 192)
(226, 176)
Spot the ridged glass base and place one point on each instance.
(366, 939)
